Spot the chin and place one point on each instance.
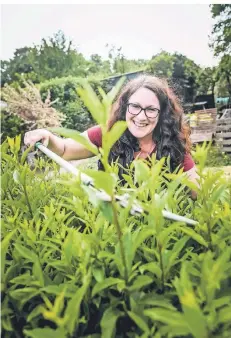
(139, 134)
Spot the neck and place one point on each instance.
(146, 141)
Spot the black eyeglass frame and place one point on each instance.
(144, 109)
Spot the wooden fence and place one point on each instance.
(223, 135)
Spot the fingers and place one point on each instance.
(31, 137)
(28, 140)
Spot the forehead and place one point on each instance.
(145, 97)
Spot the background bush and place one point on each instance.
(68, 102)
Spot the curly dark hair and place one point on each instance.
(171, 134)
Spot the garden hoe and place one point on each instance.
(123, 200)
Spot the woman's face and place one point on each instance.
(141, 125)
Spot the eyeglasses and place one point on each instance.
(135, 109)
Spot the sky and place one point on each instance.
(141, 30)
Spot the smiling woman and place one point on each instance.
(155, 123)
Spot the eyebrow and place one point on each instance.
(150, 106)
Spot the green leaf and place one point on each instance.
(26, 253)
(11, 144)
(174, 319)
(38, 310)
(113, 135)
(17, 143)
(98, 273)
(6, 323)
(108, 322)
(105, 284)
(107, 211)
(45, 333)
(140, 322)
(103, 180)
(92, 102)
(164, 235)
(4, 248)
(76, 136)
(175, 253)
(106, 101)
(37, 272)
(23, 279)
(157, 301)
(217, 193)
(192, 313)
(23, 295)
(224, 315)
(115, 90)
(142, 171)
(73, 307)
(152, 267)
(198, 238)
(24, 155)
(140, 282)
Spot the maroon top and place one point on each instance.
(95, 136)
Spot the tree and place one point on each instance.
(162, 65)
(221, 33)
(221, 42)
(181, 71)
(207, 79)
(224, 72)
(99, 66)
(55, 57)
(22, 65)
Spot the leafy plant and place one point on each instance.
(74, 266)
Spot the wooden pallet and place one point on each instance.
(204, 126)
(223, 135)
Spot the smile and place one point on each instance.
(140, 125)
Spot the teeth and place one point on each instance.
(140, 124)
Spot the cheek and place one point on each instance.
(156, 121)
(128, 117)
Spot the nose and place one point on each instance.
(141, 116)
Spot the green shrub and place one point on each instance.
(74, 270)
(68, 102)
(11, 125)
(74, 266)
(214, 155)
(217, 158)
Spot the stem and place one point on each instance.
(161, 266)
(210, 236)
(122, 251)
(119, 233)
(208, 226)
(27, 200)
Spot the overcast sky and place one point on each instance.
(141, 30)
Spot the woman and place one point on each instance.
(155, 125)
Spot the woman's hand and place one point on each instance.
(42, 135)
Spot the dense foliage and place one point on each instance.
(221, 43)
(74, 266)
(64, 92)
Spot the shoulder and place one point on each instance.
(188, 162)
(95, 135)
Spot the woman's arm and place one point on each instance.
(66, 148)
(193, 177)
(76, 151)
